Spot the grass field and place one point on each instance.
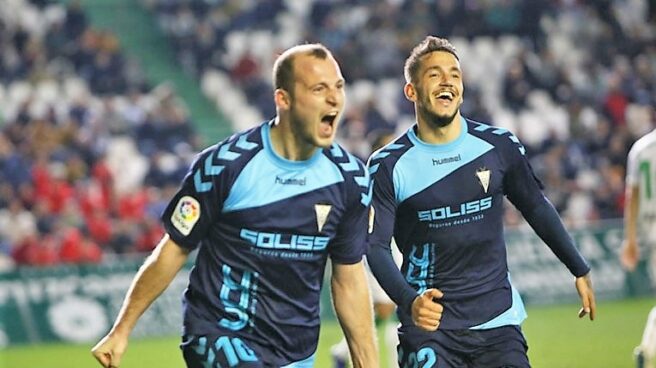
(555, 335)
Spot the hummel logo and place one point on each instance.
(290, 181)
(446, 160)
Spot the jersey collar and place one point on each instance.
(439, 147)
(279, 160)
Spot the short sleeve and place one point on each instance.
(349, 244)
(197, 202)
(632, 169)
(383, 205)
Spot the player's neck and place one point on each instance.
(288, 145)
(432, 134)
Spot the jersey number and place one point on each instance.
(417, 272)
(233, 349)
(245, 288)
(425, 356)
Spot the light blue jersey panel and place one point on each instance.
(425, 164)
(268, 178)
(513, 316)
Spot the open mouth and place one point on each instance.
(446, 96)
(329, 118)
(328, 123)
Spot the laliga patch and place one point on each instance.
(186, 214)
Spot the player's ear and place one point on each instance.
(282, 99)
(410, 93)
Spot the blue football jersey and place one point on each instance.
(265, 226)
(444, 206)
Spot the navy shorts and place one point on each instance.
(218, 351)
(228, 351)
(501, 347)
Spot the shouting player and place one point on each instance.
(266, 207)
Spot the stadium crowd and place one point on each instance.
(575, 80)
(90, 152)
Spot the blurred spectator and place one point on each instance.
(71, 178)
(101, 152)
(554, 72)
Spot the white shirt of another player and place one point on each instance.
(641, 171)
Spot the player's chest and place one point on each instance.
(459, 185)
(315, 213)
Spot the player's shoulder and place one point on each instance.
(351, 168)
(232, 152)
(499, 137)
(647, 141)
(348, 164)
(390, 153)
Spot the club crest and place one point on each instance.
(483, 175)
(322, 211)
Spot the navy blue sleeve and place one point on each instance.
(197, 203)
(520, 185)
(524, 190)
(349, 244)
(387, 274)
(381, 228)
(545, 221)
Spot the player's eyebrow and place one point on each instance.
(339, 82)
(440, 68)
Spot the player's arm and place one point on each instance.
(151, 280)
(546, 223)
(353, 307)
(630, 253)
(424, 309)
(524, 190)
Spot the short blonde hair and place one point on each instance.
(283, 67)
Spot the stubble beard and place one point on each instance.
(302, 131)
(439, 120)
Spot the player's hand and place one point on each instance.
(584, 288)
(426, 311)
(629, 255)
(109, 351)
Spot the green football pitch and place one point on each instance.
(555, 335)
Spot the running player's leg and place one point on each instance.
(438, 349)
(501, 347)
(221, 351)
(646, 352)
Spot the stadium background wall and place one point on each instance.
(77, 303)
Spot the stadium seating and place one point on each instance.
(576, 81)
(89, 153)
(540, 69)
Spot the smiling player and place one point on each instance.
(439, 189)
